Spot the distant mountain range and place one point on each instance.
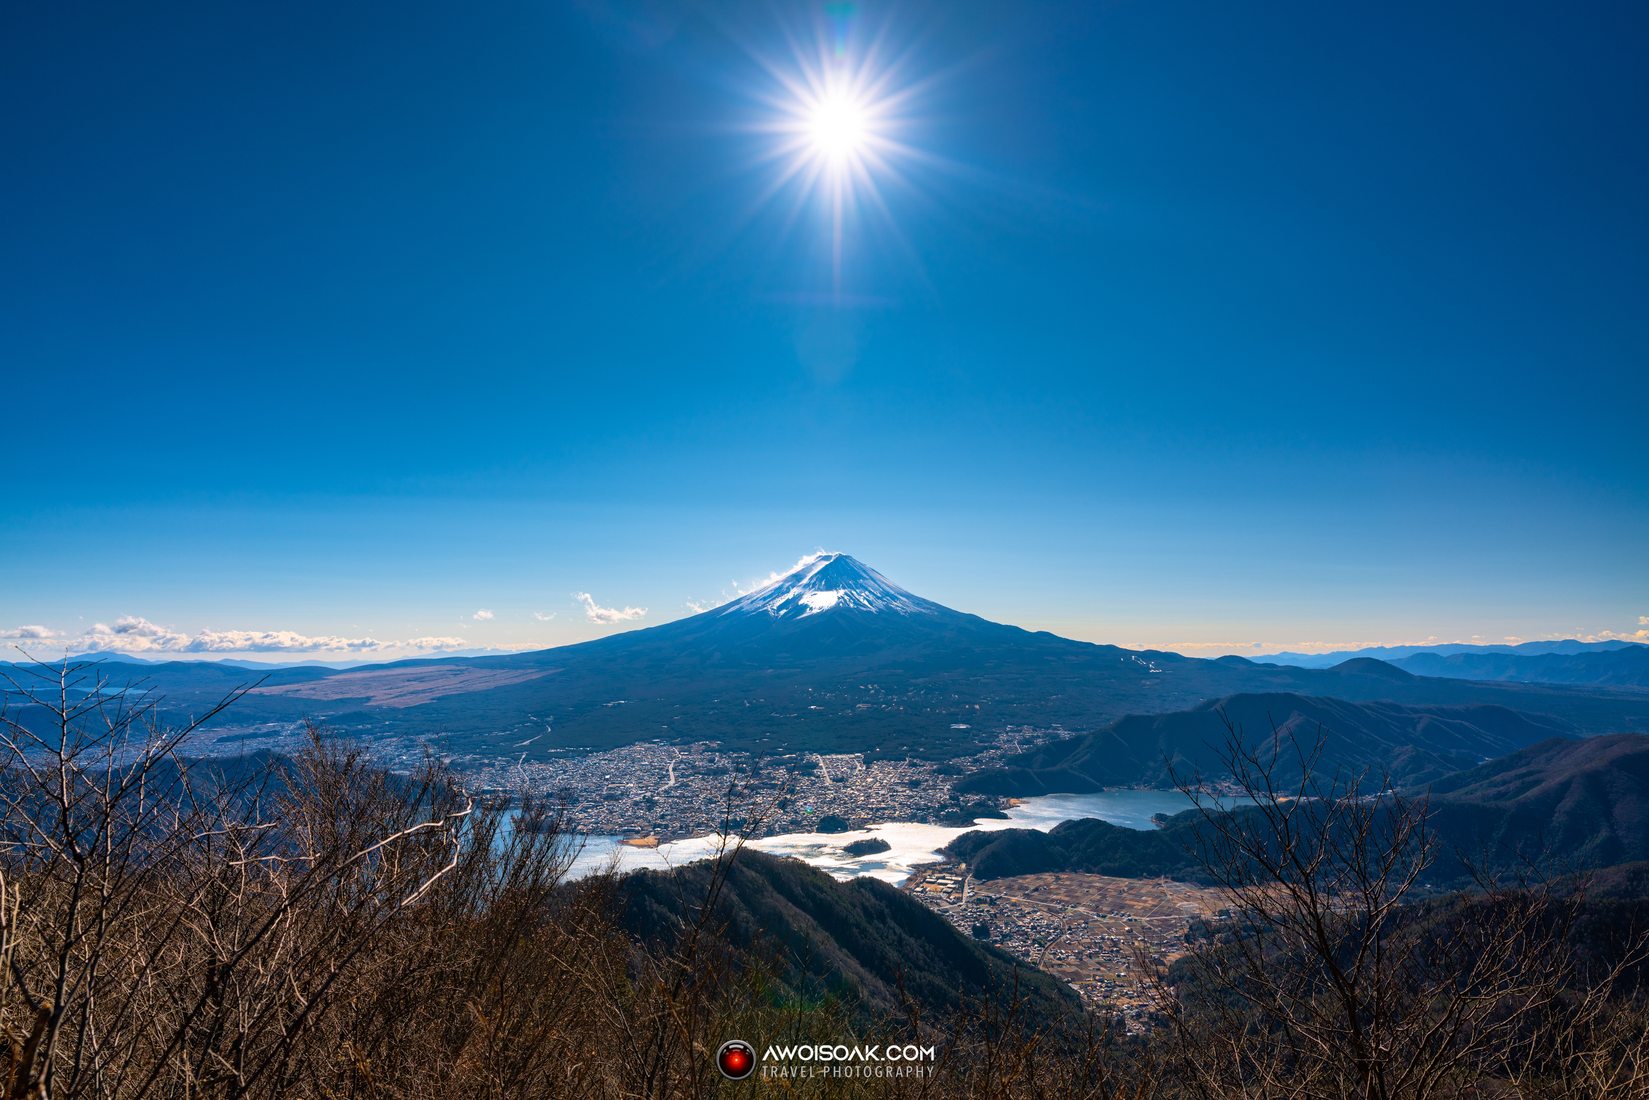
(1445, 649)
(1626, 666)
(1413, 744)
(832, 656)
(1612, 664)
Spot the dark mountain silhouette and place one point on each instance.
(1399, 653)
(1088, 846)
(1412, 743)
(1563, 805)
(1368, 666)
(862, 942)
(1582, 803)
(1624, 666)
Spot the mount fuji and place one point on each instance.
(831, 656)
(830, 582)
(827, 606)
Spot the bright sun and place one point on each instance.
(837, 126)
(837, 114)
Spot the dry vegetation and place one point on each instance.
(403, 687)
(1334, 978)
(316, 928)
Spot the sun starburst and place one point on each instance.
(836, 119)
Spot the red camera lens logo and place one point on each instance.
(736, 1059)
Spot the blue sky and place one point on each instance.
(1177, 324)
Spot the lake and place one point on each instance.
(911, 844)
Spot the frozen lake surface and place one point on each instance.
(911, 844)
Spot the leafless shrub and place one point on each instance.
(317, 927)
(1333, 974)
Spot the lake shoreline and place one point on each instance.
(663, 837)
(909, 844)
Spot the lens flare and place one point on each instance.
(837, 115)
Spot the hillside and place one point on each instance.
(1558, 806)
(1413, 743)
(1090, 846)
(1578, 804)
(862, 942)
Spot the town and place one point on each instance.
(669, 791)
(1095, 932)
(664, 790)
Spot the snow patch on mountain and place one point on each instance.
(820, 601)
(829, 582)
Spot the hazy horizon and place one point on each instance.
(132, 636)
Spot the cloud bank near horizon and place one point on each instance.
(136, 635)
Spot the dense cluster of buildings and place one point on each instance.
(1097, 933)
(667, 790)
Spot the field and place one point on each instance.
(404, 687)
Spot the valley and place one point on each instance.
(874, 798)
(673, 791)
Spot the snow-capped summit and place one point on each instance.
(829, 582)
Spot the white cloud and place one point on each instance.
(744, 588)
(1616, 636)
(1239, 646)
(29, 633)
(482, 615)
(431, 644)
(542, 617)
(1193, 648)
(134, 634)
(1196, 648)
(273, 641)
(1641, 634)
(597, 614)
(737, 588)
